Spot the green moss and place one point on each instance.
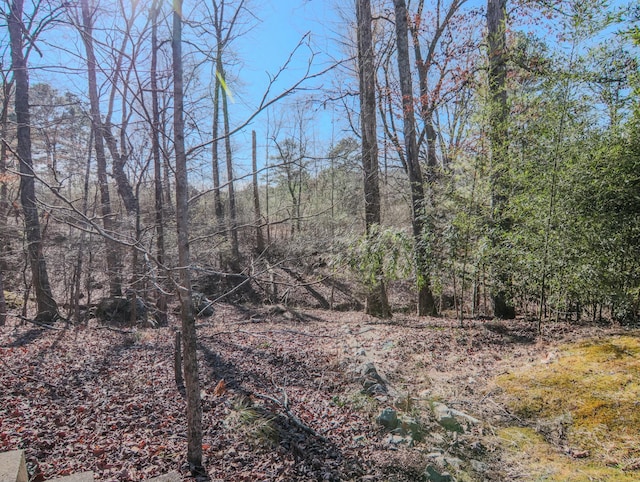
(597, 384)
(543, 462)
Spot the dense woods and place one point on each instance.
(483, 162)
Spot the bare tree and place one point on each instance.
(224, 35)
(20, 37)
(161, 297)
(192, 383)
(377, 302)
(7, 89)
(426, 302)
(256, 195)
(113, 255)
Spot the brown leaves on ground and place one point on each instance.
(88, 398)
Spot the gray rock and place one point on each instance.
(478, 466)
(411, 426)
(446, 418)
(432, 475)
(202, 306)
(398, 440)
(361, 352)
(437, 459)
(454, 462)
(121, 309)
(450, 419)
(368, 370)
(388, 418)
(372, 382)
(371, 388)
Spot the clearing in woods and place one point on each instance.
(297, 401)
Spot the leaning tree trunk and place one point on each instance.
(46, 305)
(498, 113)
(377, 303)
(426, 302)
(113, 255)
(192, 383)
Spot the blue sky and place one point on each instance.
(265, 48)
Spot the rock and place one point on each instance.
(388, 418)
(394, 439)
(372, 382)
(361, 352)
(445, 417)
(432, 475)
(449, 418)
(454, 462)
(202, 306)
(410, 426)
(368, 370)
(232, 288)
(372, 388)
(120, 309)
(478, 466)
(13, 467)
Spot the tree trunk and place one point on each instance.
(47, 308)
(215, 158)
(426, 302)
(233, 210)
(192, 383)
(498, 114)
(161, 297)
(113, 254)
(377, 303)
(3, 303)
(256, 195)
(7, 88)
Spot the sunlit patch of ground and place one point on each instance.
(582, 405)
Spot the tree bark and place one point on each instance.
(7, 89)
(215, 158)
(233, 210)
(426, 302)
(113, 254)
(192, 383)
(3, 303)
(377, 303)
(256, 195)
(47, 308)
(498, 117)
(161, 297)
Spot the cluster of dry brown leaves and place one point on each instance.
(90, 398)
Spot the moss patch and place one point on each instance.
(594, 388)
(537, 460)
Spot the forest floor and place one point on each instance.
(291, 406)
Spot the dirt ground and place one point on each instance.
(290, 406)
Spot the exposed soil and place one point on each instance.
(290, 408)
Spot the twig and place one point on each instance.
(284, 403)
(117, 330)
(27, 377)
(266, 333)
(39, 323)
